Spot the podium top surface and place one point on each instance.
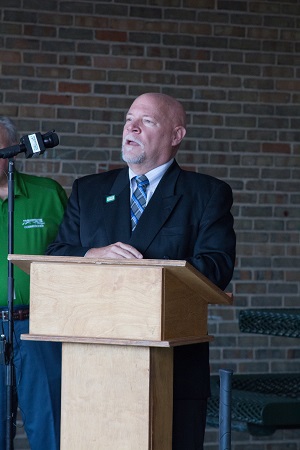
(24, 261)
(192, 276)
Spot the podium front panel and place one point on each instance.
(88, 300)
(141, 302)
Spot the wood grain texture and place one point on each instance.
(71, 300)
(116, 398)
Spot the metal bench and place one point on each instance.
(262, 403)
(276, 322)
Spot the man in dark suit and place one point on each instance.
(177, 215)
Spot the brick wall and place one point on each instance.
(76, 66)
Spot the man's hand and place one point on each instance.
(114, 251)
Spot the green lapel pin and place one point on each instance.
(110, 198)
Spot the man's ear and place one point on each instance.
(179, 133)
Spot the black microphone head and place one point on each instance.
(50, 139)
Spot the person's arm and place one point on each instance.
(214, 249)
(68, 241)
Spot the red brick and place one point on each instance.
(51, 99)
(112, 36)
(65, 86)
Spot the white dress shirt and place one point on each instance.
(154, 176)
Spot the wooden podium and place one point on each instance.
(118, 321)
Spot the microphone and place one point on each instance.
(32, 144)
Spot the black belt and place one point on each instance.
(18, 314)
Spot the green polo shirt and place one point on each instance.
(38, 210)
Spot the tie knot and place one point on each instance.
(142, 181)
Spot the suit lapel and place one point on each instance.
(157, 211)
(117, 209)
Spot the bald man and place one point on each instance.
(158, 211)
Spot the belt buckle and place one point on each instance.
(21, 314)
(4, 316)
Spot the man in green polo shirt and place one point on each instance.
(38, 210)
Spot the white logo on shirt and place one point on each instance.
(33, 223)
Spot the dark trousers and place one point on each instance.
(189, 419)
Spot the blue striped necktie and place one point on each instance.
(138, 199)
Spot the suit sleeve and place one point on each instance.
(214, 249)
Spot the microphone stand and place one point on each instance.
(10, 376)
(32, 145)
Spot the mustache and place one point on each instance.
(133, 138)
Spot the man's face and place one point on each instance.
(148, 134)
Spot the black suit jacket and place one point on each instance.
(188, 217)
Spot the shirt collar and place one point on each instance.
(153, 175)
